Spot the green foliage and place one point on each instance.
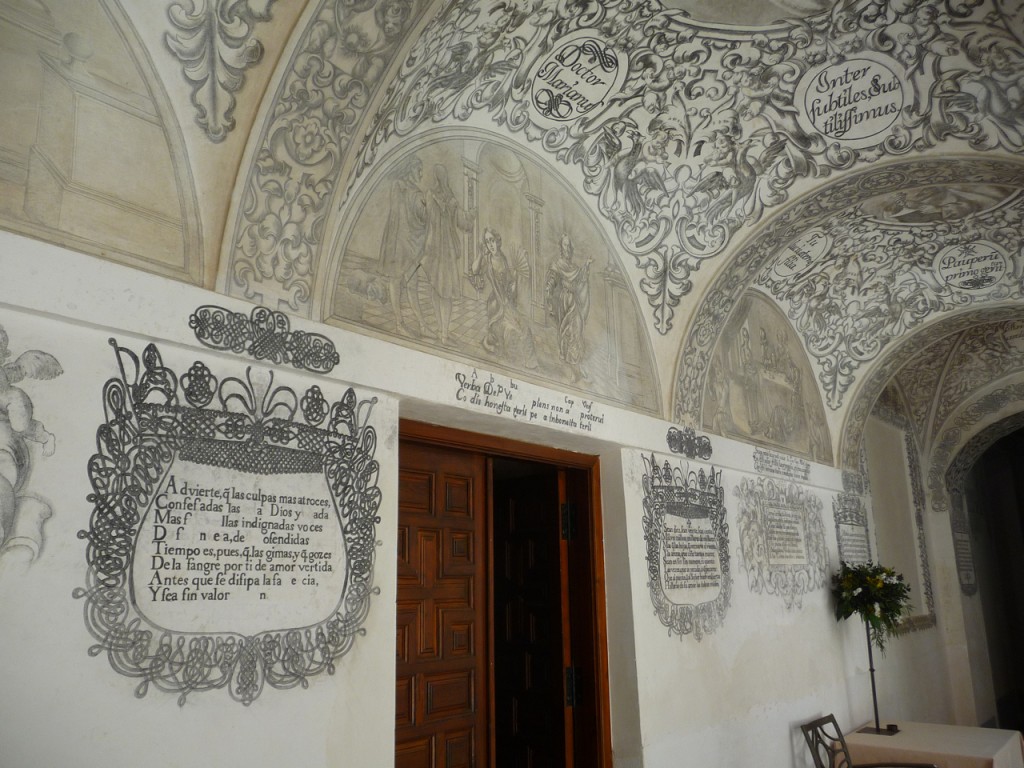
(877, 594)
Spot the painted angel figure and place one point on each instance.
(21, 516)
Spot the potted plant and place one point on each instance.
(881, 598)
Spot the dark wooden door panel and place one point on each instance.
(451, 708)
(441, 658)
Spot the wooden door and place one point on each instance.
(442, 652)
(482, 650)
(529, 618)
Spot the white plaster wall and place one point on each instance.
(62, 706)
(736, 697)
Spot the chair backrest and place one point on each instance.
(826, 742)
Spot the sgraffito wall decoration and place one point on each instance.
(23, 440)
(337, 64)
(972, 419)
(851, 518)
(782, 539)
(687, 537)
(470, 247)
(265, 335)
(88, 157)
(835, 281)
(232, 539)
(854, 284)
(689, 443)
(891, 408)
(215, 42)
(760, 387)
(974, 358)
(709, 128)
(892, 363)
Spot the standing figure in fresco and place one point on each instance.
(402, 243)
(567, 298)
(442, 247)
(17, 429)
(751, 382)
(507, 334)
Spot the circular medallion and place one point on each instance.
(575, 79)
(801, 254)
(971, 266)
(853, 101)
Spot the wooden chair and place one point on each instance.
(828, 747)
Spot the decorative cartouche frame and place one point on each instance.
(700, 494)
(153, 418)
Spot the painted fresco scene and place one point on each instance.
(82, 110)
(760, 386)
(470, 248)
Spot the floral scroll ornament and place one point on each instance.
(162, 432)
(706, 134)
(687, 442)
(215, 43)
(336, 66)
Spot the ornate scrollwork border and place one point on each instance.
(264, 335)
(790, 582)
(154, 416)
(704, 491)
(687, 442)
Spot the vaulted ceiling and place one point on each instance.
(843, 179)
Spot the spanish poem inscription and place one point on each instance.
(687, 540)
(691, 561)
(784, 536)
(225, 551)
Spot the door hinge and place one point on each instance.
(572, 686)
(568, 521)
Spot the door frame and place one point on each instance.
(493, 446)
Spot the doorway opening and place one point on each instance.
(502, 651)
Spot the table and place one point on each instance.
(948, 746)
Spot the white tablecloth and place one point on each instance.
(948, 746)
